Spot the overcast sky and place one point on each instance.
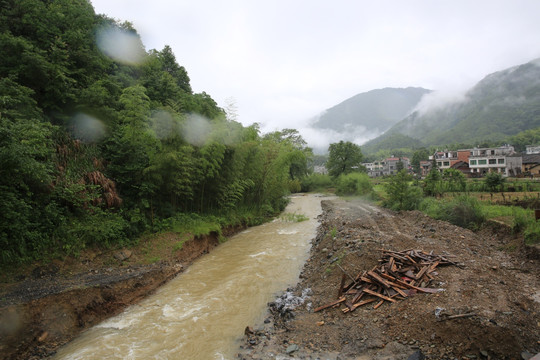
(285, 61)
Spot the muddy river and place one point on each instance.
(202, 313)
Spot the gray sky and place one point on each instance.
(285, 61)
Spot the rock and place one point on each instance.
(43, 271)
(248, 330)
(525, 355)
(417, 355)
(43, 336)
(292, 348)
(122, 255)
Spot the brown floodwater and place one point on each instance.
(202, 313)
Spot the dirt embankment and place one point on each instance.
(51, 304)
(499, 284)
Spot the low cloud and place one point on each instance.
(437, 100)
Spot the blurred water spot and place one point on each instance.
(162, 124)
(196, 130)
(121, 45)
(87, 128)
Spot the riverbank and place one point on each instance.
(44, 307)
(498, 288)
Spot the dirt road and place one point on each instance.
(499, 284)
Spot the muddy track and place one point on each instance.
(499, 283)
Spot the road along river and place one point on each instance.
(202, 313)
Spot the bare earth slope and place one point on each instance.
(499, 284)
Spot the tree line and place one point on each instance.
(96, 151)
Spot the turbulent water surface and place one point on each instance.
(202, 313)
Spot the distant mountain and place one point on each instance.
(374, 111)
(502, 104)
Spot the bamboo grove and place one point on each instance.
(96, 151)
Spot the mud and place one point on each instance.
(499, 283)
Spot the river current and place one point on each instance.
(202, 313)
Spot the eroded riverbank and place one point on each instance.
(149, 327)
(49, 307)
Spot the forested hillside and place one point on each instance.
(501, 105)
(96, 149)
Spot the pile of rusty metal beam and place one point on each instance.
(398, 275)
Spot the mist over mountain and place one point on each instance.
(502, 104)
(367, 115)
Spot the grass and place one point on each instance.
(293, 217)
(470, 209)
(152, 260)
(519, 219)
(195, 225)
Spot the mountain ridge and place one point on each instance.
(375, 110)
(500, 105)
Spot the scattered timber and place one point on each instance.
(399, 275)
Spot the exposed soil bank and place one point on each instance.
(54, 303)
(500, 284)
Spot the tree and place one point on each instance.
(400, 195)
(419, 155)
(494, 181)
(179, 73)
(433, 183)
(455, 180)
(344, 158)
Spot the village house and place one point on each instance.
(530, 165)
(503, 160)
(425, 167)
(392, 165)
(458, 159)
(532, 149)
(386, 167)
(376, 168)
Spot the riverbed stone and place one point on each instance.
(292, 348)
(122, 255)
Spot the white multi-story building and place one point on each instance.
(532, 149)
(387, 166)
(503, 160)
(375, 168)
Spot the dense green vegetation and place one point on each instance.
(97, 147)
(344, 158)
(354, 184)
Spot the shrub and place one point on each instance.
(102, 228)
(463, 211)
(295, 186)
(354, 184)
(532, 232)
(316, 182)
